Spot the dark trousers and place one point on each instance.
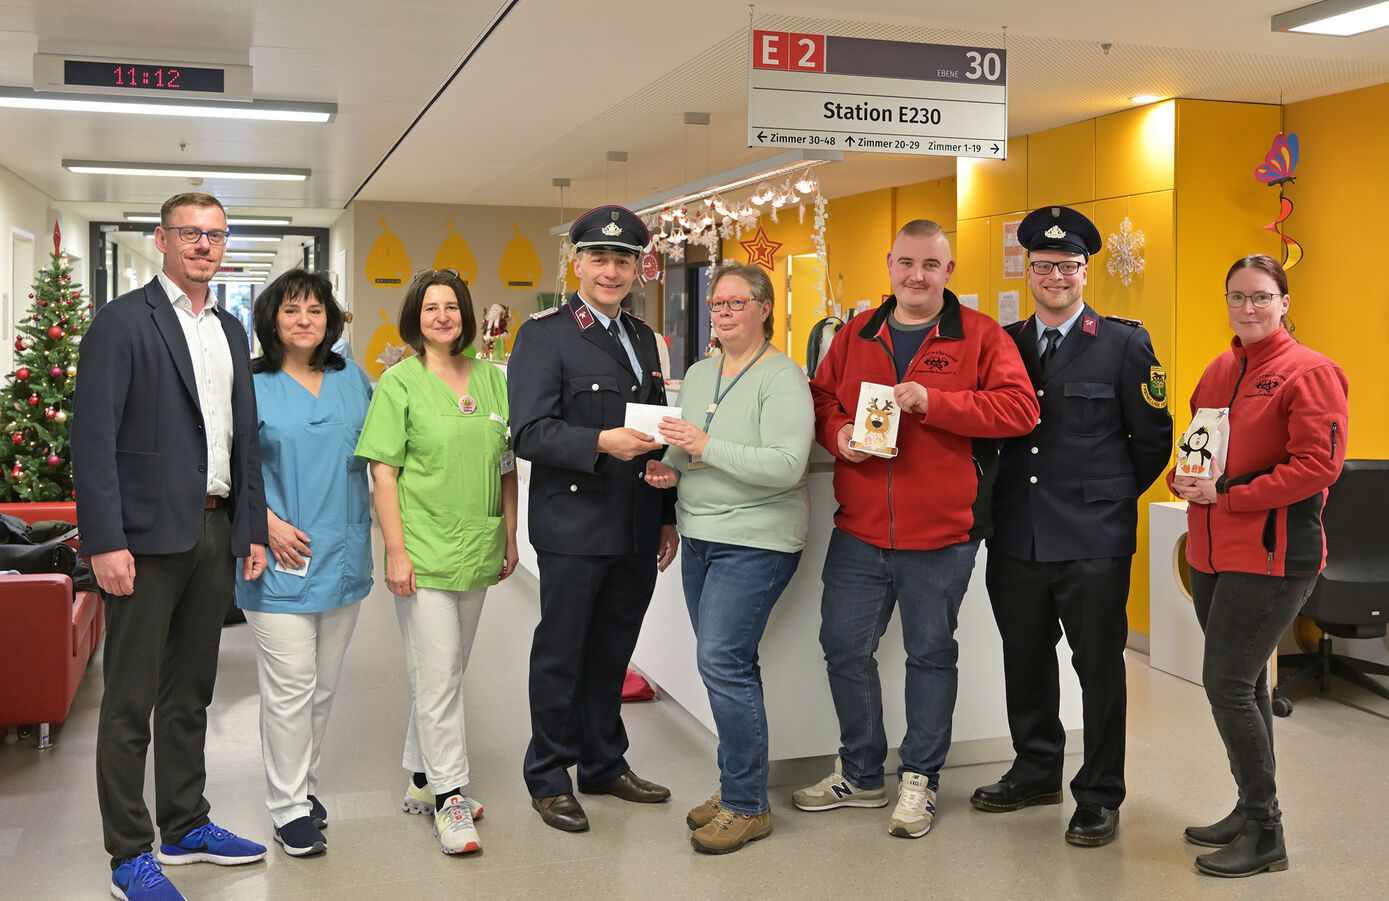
(1243, 615)
(1033, 602)
(161, 657)
(591, 608)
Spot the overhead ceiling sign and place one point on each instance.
(815, 90)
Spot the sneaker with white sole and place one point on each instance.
(915, 810)
(140, 878)
(420, 800)
(453, 826)
(836, 791)
(210, 843)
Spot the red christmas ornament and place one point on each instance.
(33, 400)
(54, 460)
(22, 373)
(17, 437)
(43, 303)
(16, 472)
(54, 332)
(19, 343)
(76, 294)
(50, 412)
(56, 372)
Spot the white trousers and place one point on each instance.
(299, 661)
(437, 627)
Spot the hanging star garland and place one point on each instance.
(761, 250)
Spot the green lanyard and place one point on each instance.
(718, 381)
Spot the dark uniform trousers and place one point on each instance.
(161, 657)
(596, 527)
(1065, 523)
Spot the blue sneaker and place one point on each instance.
(318, 812)
(141, 879)
(211, 844)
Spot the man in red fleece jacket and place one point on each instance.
(908, 527)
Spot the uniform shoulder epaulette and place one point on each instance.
(543, 313)
(1133, 322)
(1013, 328)
(635, 316)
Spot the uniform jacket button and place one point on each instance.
(576, 487)
(1033, 480)
(1040, 392)
(1034, 450)
(595, 386)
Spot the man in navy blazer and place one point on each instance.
(166, 463)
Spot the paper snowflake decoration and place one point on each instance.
(391, 355)
(1126, 252)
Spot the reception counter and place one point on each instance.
(800, 713)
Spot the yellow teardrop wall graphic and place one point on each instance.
(520, 266)
(388, 265)
(454, 253)
(386, 333)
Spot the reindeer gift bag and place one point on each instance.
(875, 429)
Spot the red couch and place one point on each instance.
(46, 636)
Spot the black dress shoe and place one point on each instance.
(1092, 825)
(630, 787)
(1216, 835)
(562, 812)
(1255, 849)
(1005, 794)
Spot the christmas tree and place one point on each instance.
(37, 398)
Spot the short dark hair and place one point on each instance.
(920, 228)
(758, 281)
(189, 198)
(1268, 266)
(292, 285)
(410, 308)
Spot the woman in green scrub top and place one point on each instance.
(436, 436)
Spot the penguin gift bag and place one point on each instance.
(1204, 441)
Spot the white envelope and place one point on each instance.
(645, 417)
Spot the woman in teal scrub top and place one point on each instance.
(310, 406)
(436, 436)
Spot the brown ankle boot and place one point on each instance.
(729, 831)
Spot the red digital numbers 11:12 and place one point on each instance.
(142, 77)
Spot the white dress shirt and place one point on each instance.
(212, 373)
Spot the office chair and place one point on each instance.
(1351, 597)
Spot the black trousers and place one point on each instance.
(161, 658)
(1033, 602)
(591, 608)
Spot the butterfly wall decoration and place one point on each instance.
(1276, 171)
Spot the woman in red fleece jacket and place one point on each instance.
(1255, 542)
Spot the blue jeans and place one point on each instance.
(1243, 615)
(730, 590)
(862, 584)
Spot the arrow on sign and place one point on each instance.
(849, 140)
(994, 148)
(761, 136)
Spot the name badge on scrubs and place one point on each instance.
(302, 571)
(467, 405)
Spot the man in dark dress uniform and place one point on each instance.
(1065, 520)
(599, 531)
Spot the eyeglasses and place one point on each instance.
(736, 304)
(190, 235)
(1261, 299)
(425, 273)
(1066, 267)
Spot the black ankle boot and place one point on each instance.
(1216, 835)
(1255, 849)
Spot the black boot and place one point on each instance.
(1255, 849)
(1216, 835)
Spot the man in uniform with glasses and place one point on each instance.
(599, 531)
(1065, 521)
(166, 463)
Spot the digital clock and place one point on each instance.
(115, 75)
(174, 79)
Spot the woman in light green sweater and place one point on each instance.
(739, 456)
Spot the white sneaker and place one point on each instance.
(421, 801)
(916, 808)
(453, 826)
(836, 791)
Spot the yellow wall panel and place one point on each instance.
(989, 187)
(1061, 165)
(1134, 150)
(934, 200)
(859, 237)
(973, 262)
(1340, 302)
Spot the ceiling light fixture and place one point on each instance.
(184, 170)
(266, 110)
(1341, 18)
(1144, 98)
(250, 255)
